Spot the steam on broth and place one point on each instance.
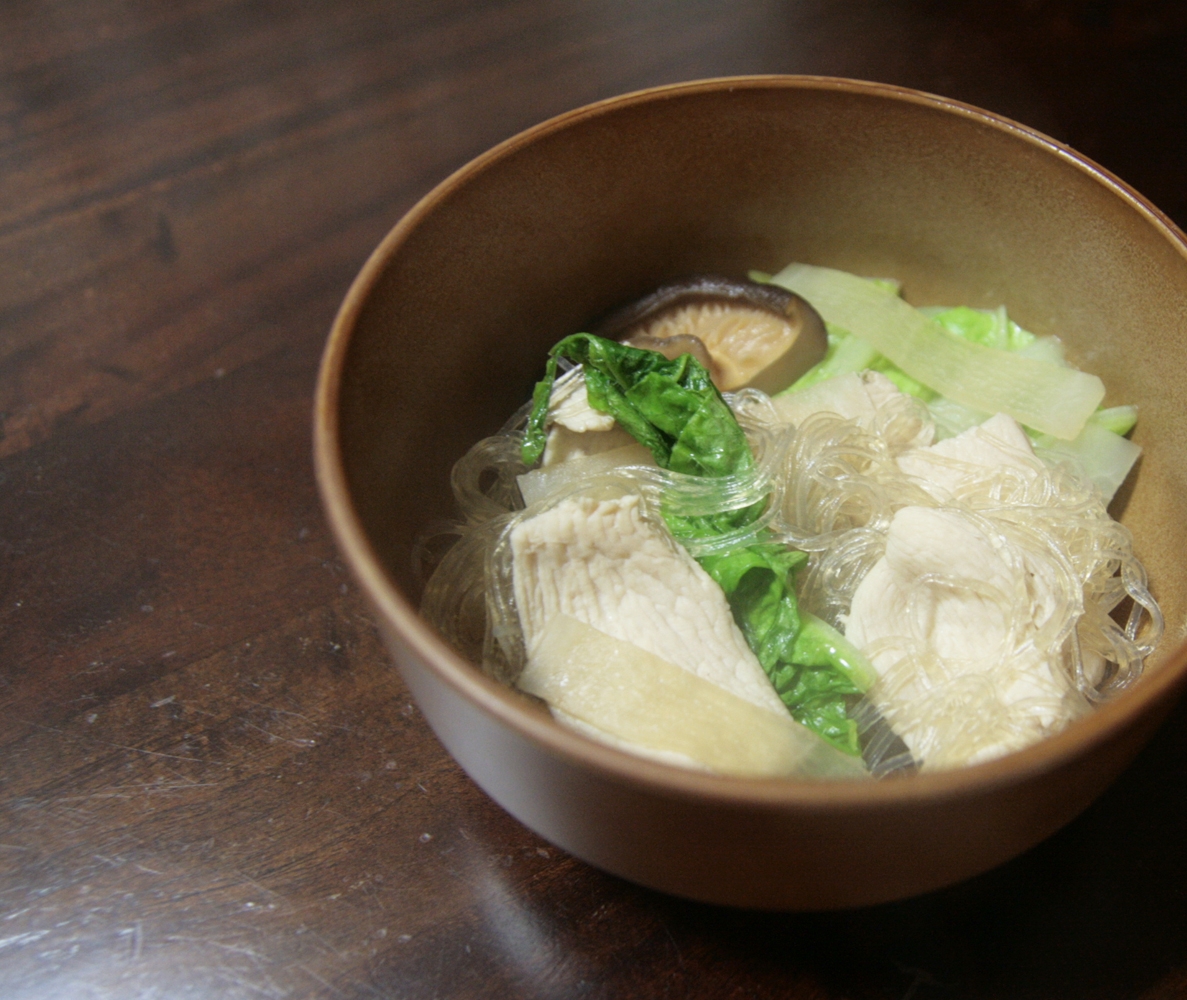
(887, 548)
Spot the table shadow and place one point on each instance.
(1097, 910)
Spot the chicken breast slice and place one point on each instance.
(1000, 442)
(949, 618)
(869, 398)
(601, 562)
(569, 406)
(576, 429)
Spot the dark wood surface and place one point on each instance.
(213, 783)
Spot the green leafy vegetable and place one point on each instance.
(673, 408)
(987, 327)
(1038, 393)
(848, 353)
(1099, 453)
(1118, 419)
(814, 670)
(844, 354)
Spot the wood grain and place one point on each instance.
(213, 784)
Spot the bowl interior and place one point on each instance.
(450, 322)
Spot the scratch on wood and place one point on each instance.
(239, 949)
(303, 743)
(313, 975)
(120, 746)
(262, 888)
(19, 939)
(675, 946)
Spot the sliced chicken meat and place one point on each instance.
(602, 563)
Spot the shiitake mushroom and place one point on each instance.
(744, 333)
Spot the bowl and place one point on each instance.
(446, 328)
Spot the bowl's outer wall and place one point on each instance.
(760, 856)
(535, 241)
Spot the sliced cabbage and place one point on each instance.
(1048, 397)
(845, 355)
(1097, 454)
(1118, 419)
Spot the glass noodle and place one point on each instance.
(832, 489)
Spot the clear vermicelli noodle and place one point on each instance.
(844, 488)
(979, 597)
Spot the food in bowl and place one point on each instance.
(886, 548)
(592, 209)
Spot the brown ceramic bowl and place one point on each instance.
(447, 326)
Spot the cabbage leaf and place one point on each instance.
(1046, 396)
(673, 408)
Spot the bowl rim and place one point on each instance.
(508, 708)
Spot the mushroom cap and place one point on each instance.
(746, 334)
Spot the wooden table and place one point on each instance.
(214, 784)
